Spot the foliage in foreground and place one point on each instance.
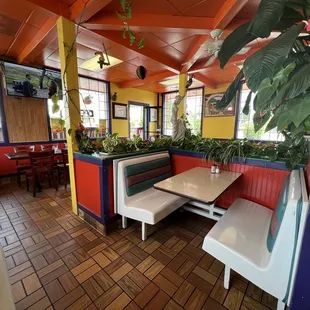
(293, 151)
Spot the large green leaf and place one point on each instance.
(264, 93)
(299, 109)
(266, 17)
(284, 120)
(231, 92)
(246, 108)
(297, 85)
(238, 39)
(262, 64)
(300, 5)
(260, 120)
(290, 17)
(274, 120)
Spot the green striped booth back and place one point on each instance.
(142, 176)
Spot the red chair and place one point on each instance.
(64, 167)
(42, 167)
(22, 164)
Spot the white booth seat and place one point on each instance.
(135, 196)
(260, 244)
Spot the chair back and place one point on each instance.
(23, 148)
(49, 147)
(43, 159)
(65, 158)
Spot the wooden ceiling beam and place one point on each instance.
(148, 80)
(152, 23)
(147, 51)
(196, 51)
(205, 80)
(44, 31)
(237, 59)
(82, 10)
(54, 6)
(226, 14)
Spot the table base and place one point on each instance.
(209, 211)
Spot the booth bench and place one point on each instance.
(135, 197)
(260, 244)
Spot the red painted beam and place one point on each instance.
(82, 10)
(205, 80)
(237, 59)
(148, 80)
(152, 23)
(196, 51)
(228, 12)
(38, 38)
(54, 6)
(157, 55)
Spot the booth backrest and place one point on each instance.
(142, 176)
(137, 174)
(283, 231)
(278, 215)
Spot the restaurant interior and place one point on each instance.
(154, 155)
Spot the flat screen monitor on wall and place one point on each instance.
(31, 82)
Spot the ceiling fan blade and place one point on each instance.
(211, 60)
(243, 51)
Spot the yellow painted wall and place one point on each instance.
(131, 94)
(218, 127)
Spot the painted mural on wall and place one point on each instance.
(210, 109)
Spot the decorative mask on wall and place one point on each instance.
(114, 97)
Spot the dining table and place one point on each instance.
(25, 155)
(202, 187)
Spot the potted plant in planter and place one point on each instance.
(278, 74)
(88, 99)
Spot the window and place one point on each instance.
(168, 100)
(245, 125)
(94, 104)
(194, 101)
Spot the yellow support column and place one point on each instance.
(69, 70)
(182, 82)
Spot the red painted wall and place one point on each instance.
(87, 181)
(261, 185)
(9, 166)
(111, 191)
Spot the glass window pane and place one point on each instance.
(245, 125)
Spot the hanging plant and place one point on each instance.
(124, 16)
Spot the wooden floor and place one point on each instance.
(56, 261)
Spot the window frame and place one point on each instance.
(6, 141)
(237, 118)
(177, 91)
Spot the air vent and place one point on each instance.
(9, 26)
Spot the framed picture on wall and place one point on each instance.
(210, 109)
(153, 114)
(119, 110)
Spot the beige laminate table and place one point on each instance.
(201, 187)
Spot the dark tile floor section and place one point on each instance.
(55, 261)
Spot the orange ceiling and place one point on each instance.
(176, 33)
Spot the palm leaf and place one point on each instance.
(239, 38)
(262, 64)
(231, 92)
(297, 85)
(266, 18)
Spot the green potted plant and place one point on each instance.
(278, 74)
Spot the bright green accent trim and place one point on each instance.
(143, 186)
(146, 166)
